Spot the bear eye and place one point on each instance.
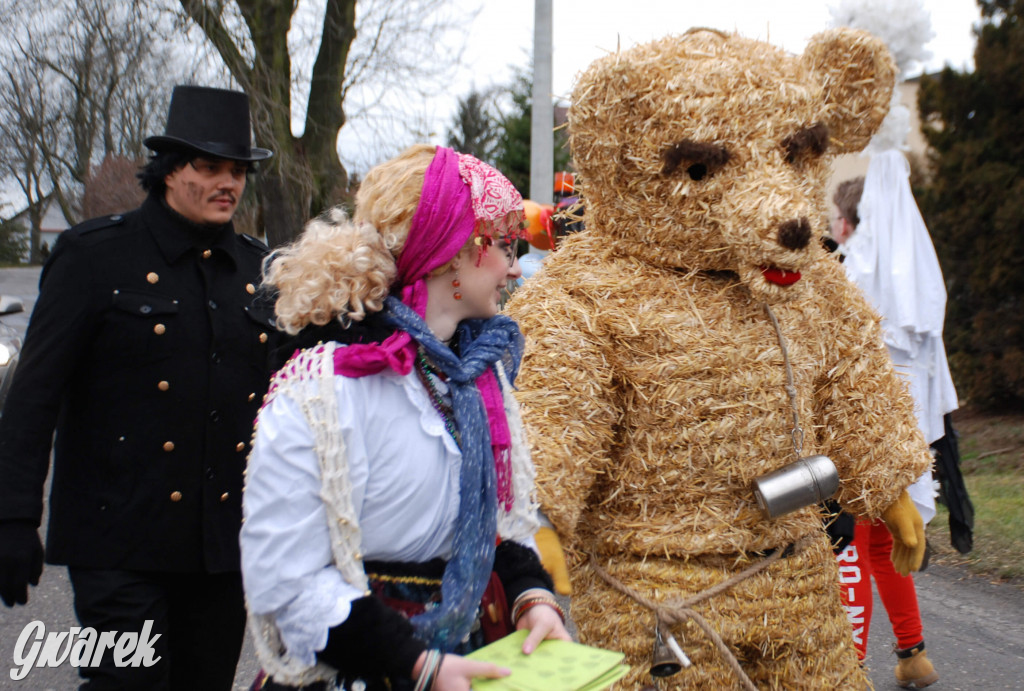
(698, 159)
(697, 171)
(811, 140)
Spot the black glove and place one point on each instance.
(21, 560)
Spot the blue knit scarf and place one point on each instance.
(482, 343)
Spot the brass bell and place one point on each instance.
(665, 662)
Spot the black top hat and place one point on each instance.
(210, 121)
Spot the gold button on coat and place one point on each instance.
(152, 277)
(163, 386)
(263, 338)
(168, 446)
(224, 497)
(206, 254)
(159, 329)
(175, 496)
(240, 446)
(250, 288)
(252, 396)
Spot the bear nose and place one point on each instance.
(795, 234)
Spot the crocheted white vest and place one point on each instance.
(308, 379)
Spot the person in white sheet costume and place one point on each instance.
(889, 255)
(892, 259)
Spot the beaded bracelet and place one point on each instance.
(530, 604)
(540, 595)
(431, 665)
(522, 604)
(532, 593)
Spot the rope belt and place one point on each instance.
(679, 610)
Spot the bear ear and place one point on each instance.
(857, 74)
(604, 116)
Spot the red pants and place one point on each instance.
(869, 555)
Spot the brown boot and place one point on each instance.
(914, 670)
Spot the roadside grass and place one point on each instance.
(992, 462)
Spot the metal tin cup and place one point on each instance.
(802, 483)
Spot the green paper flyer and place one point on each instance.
(553, 666)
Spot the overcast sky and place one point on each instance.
(501, 38)
(584, 30)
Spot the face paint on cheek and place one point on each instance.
(194, 192)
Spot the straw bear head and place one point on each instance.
(709, 151)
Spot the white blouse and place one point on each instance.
(404, 471)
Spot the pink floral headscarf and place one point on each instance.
(461, 194)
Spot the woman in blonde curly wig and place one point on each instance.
(388, 459)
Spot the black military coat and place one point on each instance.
(147, 353)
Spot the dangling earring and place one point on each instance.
(455, 285)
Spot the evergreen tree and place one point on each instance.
(13, 242)
(512, 156)
(474, 130)
(974, 206)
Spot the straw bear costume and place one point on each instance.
(654, 383)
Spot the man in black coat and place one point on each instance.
(147, 353)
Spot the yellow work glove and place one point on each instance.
(553, 559)
(904, 522)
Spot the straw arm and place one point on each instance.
(565, 390)
(865, 414)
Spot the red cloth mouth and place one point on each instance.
(780, 277)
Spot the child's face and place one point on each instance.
(841, 228)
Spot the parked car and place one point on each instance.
(10, 345)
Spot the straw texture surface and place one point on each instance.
(654, 383)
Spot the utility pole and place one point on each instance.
(542, 137)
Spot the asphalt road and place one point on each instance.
(974, 629)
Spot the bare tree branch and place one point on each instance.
(396, 55)
(210, 23)
(92, 69)
(23, 103)
(325, 110)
